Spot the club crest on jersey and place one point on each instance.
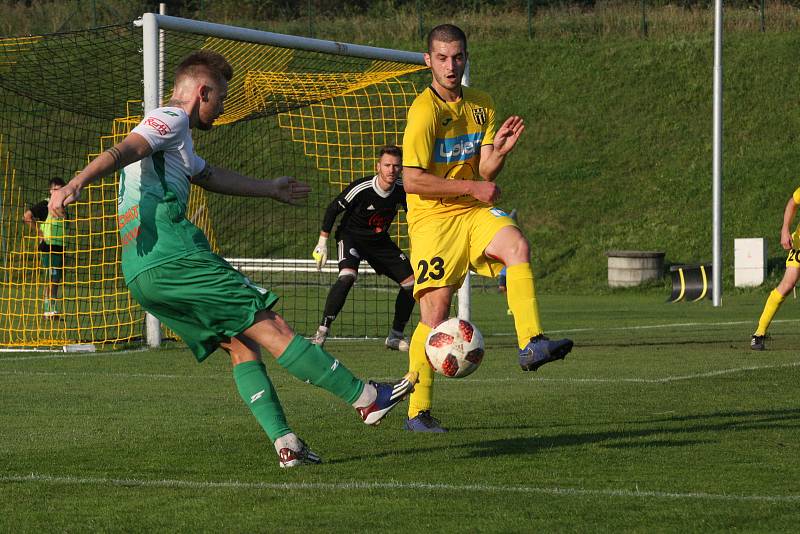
(479, 114)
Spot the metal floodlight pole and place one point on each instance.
(717, 165)
(152, 84)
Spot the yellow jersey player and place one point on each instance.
(791, 242)
(452, 154)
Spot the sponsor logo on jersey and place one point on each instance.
(170, 113)
(158, 125)
(380, 221)
(497, 212)
(479, 114)
(454, 149)
(130, 215)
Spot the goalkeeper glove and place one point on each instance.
(320, 253)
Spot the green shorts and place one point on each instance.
(202, 298)
(52, 258)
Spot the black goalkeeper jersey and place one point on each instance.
(369, 210)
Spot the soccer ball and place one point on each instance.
(454, 348)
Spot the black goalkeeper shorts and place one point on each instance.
(380, 252)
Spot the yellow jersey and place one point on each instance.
(796, 233)
(445, 139)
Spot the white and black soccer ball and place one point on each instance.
(454, 348)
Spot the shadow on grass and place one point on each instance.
(623, 439)
(712, 422)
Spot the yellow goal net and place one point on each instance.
(317, 115)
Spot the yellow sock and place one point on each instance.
(422, 396)
(771, 307)
(521, 295)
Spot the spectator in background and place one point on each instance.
(50, 230)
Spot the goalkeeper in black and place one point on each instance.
(369, 205)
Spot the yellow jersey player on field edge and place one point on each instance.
(791, 242)
(452, 154)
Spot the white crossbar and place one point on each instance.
(290, 265)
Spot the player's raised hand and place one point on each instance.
(289, 190)
(487, 192)
(508, 134)
(786, 239)
(320, 253)
(62, 197)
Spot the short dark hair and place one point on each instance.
(56, 181)
(392, 150)
(446, 33)
(205, 61)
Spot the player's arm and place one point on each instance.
(418, 147)
(283, 189)
(337, 206)
(334, 209)
(131, 149)
(788, 216)
(493, 156)
(29, 220)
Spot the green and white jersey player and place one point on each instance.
(171, 271)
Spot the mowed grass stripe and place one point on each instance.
(393, 486)
(445, 382)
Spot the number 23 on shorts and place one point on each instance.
(430, 270)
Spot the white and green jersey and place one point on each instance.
(153, 194)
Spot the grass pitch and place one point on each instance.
(661, 420)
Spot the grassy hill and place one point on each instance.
(618, 146)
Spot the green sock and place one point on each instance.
(258, 394)
(310, 363)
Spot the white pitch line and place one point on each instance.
(105, 375)
(58, 356)
(663, 380)
(648, 327)
(639, 380)
(62, 356)
(407, 486)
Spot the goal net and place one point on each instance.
(311, 109)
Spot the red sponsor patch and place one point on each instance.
(466, 330)
(158, 125)
(440, 339)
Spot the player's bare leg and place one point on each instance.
(535, 349)
(772, 305)
(434, 306)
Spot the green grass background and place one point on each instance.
(661, 420)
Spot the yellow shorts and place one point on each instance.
(444, 248)
(793, 259)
